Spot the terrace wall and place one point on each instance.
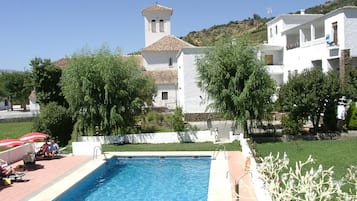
(152, 138)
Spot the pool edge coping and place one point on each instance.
(219, 182)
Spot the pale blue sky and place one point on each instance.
(56, 29)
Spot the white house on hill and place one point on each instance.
(302, 41)
(295, 42)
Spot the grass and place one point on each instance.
(14, 129)
(206, 146)
(17, 129)
(340, 154)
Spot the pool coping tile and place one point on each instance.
(219, 188)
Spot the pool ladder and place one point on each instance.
(236, 194)
(95, 151)
(221, 148)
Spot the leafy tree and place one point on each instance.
(236, 81)
(56, 121)
(256, 16)
(2, 89)
(308, 95)
(102, 89)
(17, 86)
(46, 78)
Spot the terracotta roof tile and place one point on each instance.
(62, 63)
(163, 76)
(139, 59)
(156, 7)
(168, 43)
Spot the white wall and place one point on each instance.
(339, 18)
(87, 148)
(191, 98)
(351, 31)
(180, 81)
(276, 38)
(152, 138)
(159, 60)
(153, 37)
(301, 58)
(15, 154)
(170, 103)
(285, 22)
(34, 107)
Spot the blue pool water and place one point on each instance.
(145, 178)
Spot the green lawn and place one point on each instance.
(207, 146)
(17, 129)
(337, 153)
(14, 129)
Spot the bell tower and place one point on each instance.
(157, 23)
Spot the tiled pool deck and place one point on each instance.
(56, 175)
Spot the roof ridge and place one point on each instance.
(156, 7)
(168, 43)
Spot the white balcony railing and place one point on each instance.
(275, 69)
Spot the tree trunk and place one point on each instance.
(315, 123)
(245, 129)
(11, 105)
(24, 106)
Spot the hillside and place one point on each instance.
(253, 28)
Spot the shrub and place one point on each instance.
(56, 121)
(299, 183)
(151, 122)
(177, 122)
(330, 117)
(352, 116)
(291, 126)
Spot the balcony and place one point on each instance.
(275, 69)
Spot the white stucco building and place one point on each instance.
(4, 104)
(172, 63)
(301, 41)
(295, 42)
(189, 96)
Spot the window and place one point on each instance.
(153, 26)
(170, 61)
(161, 25)
(164, 95)
(317, 64)
(334, 30)
(268, 59)
(276, 29)
(271, 32)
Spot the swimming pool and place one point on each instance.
(145, 178)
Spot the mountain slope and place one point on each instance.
(253, 28)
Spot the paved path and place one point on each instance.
(236, 167)
(51, 171)
(17, 114)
